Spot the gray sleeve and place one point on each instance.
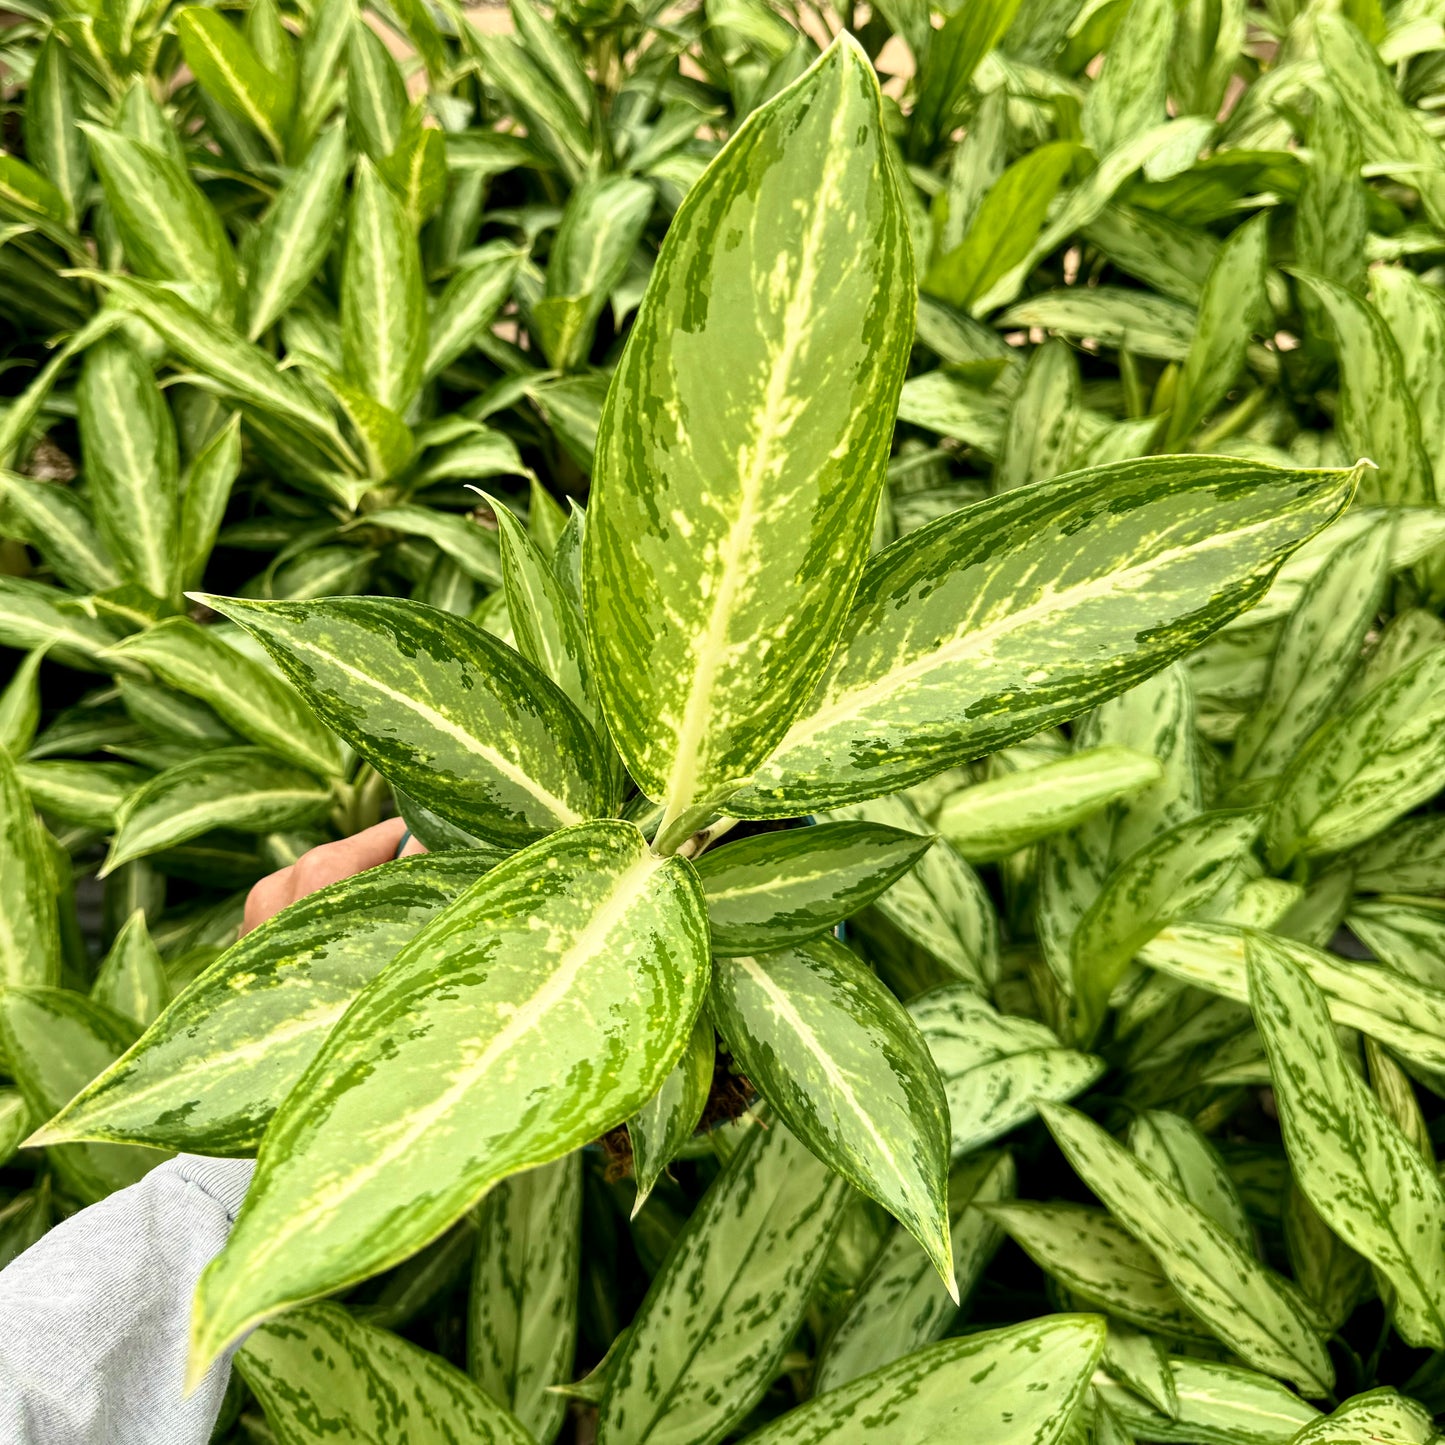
(95, 1318)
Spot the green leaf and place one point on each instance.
(1408, 858)
(34, 614)
(207, 1076)
(721, 555)
(1004, 227)
(132, 979)
(54, 1042)
(132, 466)
(995, 1067)
(1181, 1156)
(1232, 307)
(471, 546)
(323, 51)
(29, 927)
(1139, 1361)
(1318, 649)
(1405, 935)
(1125, 320)
(1378, 1415)
(996, 1388)
(1365, 767)
(900, 1306)
(1013, 614)
(58, 524)
(992, 819)
(522, 1315)
(471, 300)
(947, 62)
(245, 789)
(169, 229)
(295, 235)
(383, 296)
(1218, 1405)
(24, 192)
(228, 69)
(53, 139)
(243, 693)
(1042, 436)
(1128, 97)
(847, 1070)
(20, 705)
(941, 903)
(376, 103)
(1415, 316)
(417, 169)
(91, 794)
(1331, 219)
(439, 707)
(1179, 871)
(558, 993)
(14, 1122)
(205, 491)
(660, 1128)
(777, 889)
(709, 1337)
(1377, 417)
(320, 1369)
(1252, 1309)
(600, 229)
(1097, 1260)
(1369, 1184)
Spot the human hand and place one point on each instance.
(327, 864)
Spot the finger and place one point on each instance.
(320, 867)
(267, 898)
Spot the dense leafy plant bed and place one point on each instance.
(908, 621)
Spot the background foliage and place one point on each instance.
(274, 299)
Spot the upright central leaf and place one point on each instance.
(744, 437)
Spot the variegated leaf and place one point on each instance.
(207, 1076)
(1010, 615)
(1181, 1156)
(132, 979)
(321, 1369)
(845, 1067)
(1369, 1184)
(708, 1338)
(667, 1120)
(557, 993)
(471, 299)
(439, 707)
(1384, 1416)
(29, 925)
(522, 1315)
(743, 441)
(776, 889)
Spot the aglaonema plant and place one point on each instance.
(710, 643)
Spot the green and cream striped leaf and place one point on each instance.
(1414, 312)
(132, 979)
(169, 230)
(1001, 1387)
(846, 1069)
(247, 696)
(29, 923)
(995, 1067)
(997, 817)
(471, 546)
(1366, 767)
(1022, 611)
(471, 299)
(58, 524)
(726, 1304)
(205, 491)
(53, 139)
(295, 235)
(900, 1306)
(1317, 651)
(1180, 871)
(1182, 1157)
(36, 615)
(54, 1041)
(557, 993)
(660, 1128)
(132, 466)
(1042, 440)
(209, 1073)
(20, 705)
(1249, 1307)
(91, 794)
(522, 1311)
(744, 437)
(376, 99)
(1366, 1180)
(1218, 1405)
(1406, 1016)
(321, 1368)
(227, 67)
(1097, 1260)
(14, 1122)
(1408, 858)
(1381, 1417)
(1138, 1359)
(941, 903)
(383, 296)
(1404, 934)
(439, 707)
(777, 889)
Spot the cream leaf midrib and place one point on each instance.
(474, 745)
(967, 644)
(699, 709)
(526, 1017)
